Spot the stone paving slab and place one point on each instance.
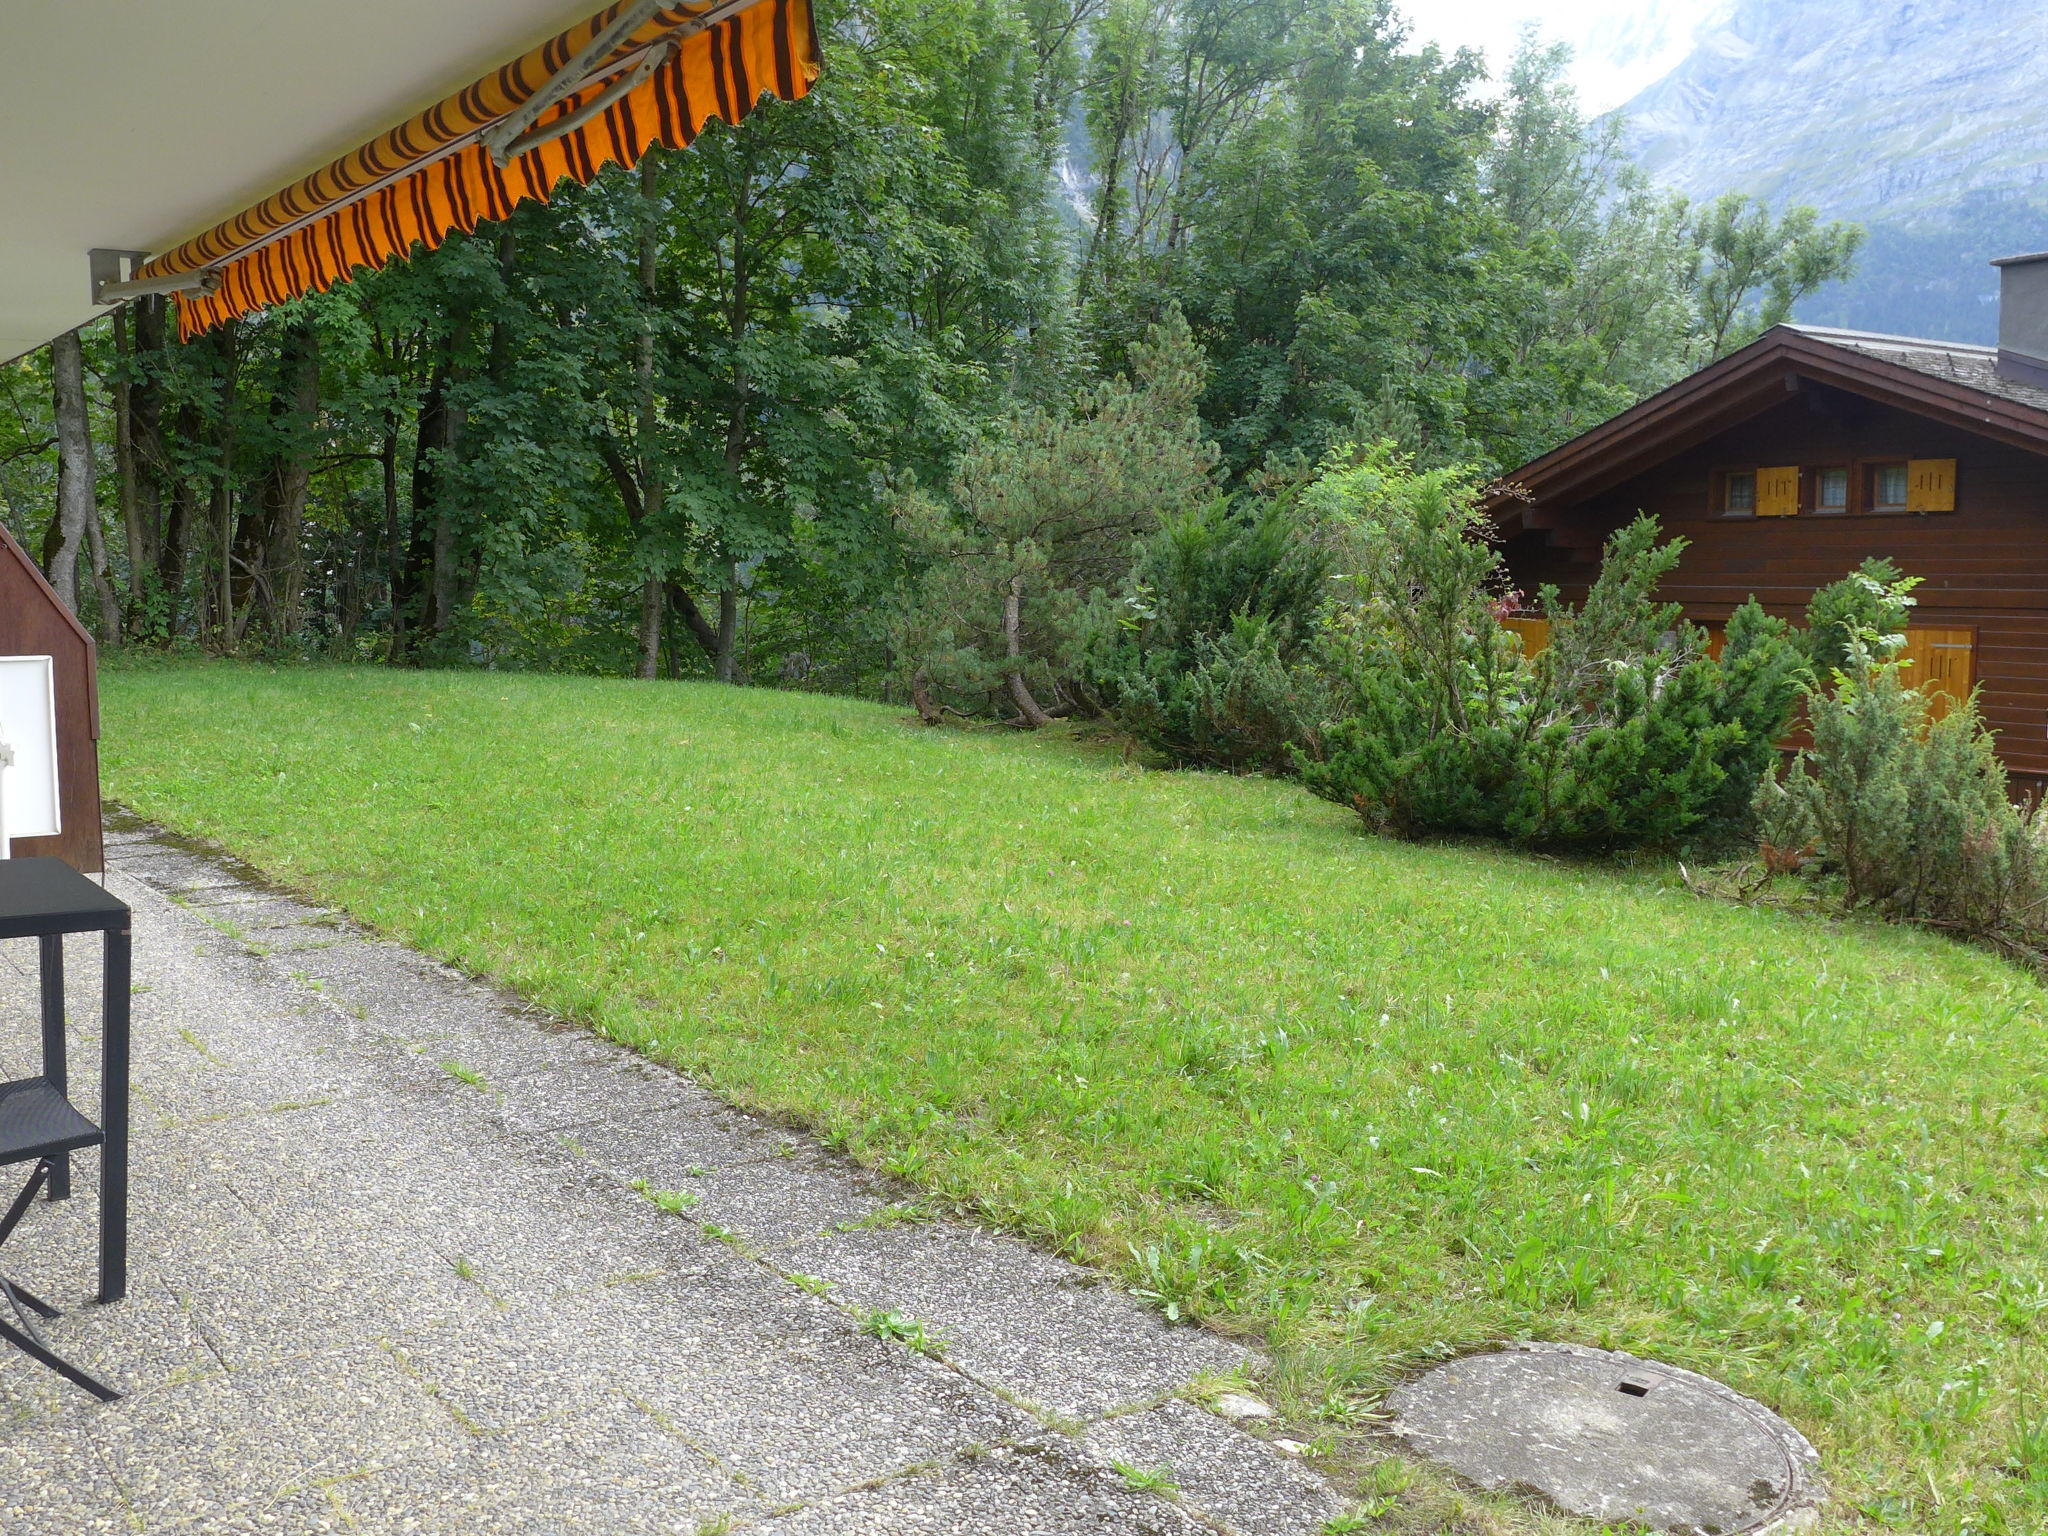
(1218, 1469)
(1048, 1331)
(1033, 1490)
(391, 1273)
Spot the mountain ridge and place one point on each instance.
(1924, 120)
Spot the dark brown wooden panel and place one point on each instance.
(34, 623)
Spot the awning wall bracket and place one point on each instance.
(114, 280)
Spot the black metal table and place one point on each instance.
(46, 899)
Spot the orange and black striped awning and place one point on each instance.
(433, 174)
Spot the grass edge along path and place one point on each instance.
(1372, 1102)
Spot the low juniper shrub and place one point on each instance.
(1623, 731)
(1204, 652)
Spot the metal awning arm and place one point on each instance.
(547, 133)
(514, 134)
(568, 79)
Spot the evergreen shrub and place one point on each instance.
(1204, 653)
(1622, 731)
(1905, 812)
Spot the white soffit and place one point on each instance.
(136, 124)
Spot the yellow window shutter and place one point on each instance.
(1777, 491)
(1535, 633)
(1943, 665)
(1930, 485)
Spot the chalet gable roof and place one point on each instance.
(1945, 381)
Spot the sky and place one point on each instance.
(1621, 45)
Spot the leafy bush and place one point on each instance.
(1203, 653)
(1870, 603)
(1622, 731)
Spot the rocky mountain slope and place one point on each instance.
(1926, 120)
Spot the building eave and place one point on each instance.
(1742, 385)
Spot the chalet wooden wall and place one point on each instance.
(1985, 565)
(34, 623)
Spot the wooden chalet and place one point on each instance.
(1786, 464)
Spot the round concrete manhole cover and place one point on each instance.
(1611, 1437)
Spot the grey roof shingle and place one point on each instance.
(1956, 362)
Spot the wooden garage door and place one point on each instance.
(1943, 665)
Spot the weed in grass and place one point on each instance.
(1184, 1272)
(1497, 1096)
(1154, 1480)
(1338, 1408)
(469, 1075)
(1391, 1475)
(1207, 1386)
(907, 1331)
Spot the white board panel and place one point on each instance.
(28, 724)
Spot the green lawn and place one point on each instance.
(1374, 1102)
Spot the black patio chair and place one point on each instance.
(38, 1124)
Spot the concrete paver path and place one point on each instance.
(391, 1273)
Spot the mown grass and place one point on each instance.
(1375, 1102)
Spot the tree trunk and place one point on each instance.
(267, 556)
(103, 583)
(74, 465)
(177, 539)
(447, 572)
(217, 579)
(394, 549)
(727, 665)
(126, 479)
(651, 605)
(921, 699)
(1013, 625)
(738, 437)
(349, 600)
(414, 593)
(693, 616)
(151, 468)
(653, 494)
(222, 519)
(285, 555)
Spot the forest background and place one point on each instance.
(710, 416)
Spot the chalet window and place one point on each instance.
(1888, 487)
(1894, 485)
(1738, 493)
